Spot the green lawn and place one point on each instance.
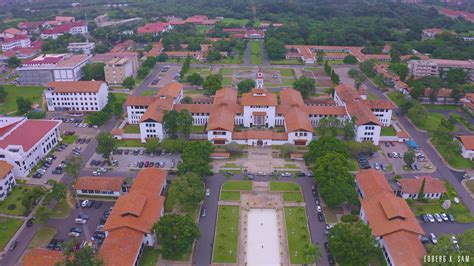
(441, 107)
(432, 122)
(353, 165)
(231, 21)
(227, 81)
(388, 131)
(61, 210)
(129, 143)
(231, 60)
(227, 235)
(330, 215)
(42, 237)
(121, 97)
(231, 165)
(396, 97)
(198, 129)
(230, 195)
(237, 185)
(132, 129)
(226, 71)
(34, 93)
(255, 53)
(286, 62)
(284, 186)
(149, 257)
(287, 72)
(297, 233)
(293, 197)
(454, 158)
(148, 93)
(70, 139)
(15, 197)
(459, 211)
(287, 82)
(8, 228)
(203, 71)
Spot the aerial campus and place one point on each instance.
(272, 132)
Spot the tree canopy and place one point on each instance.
(305, 86)
(106, 143)
(187, 191)
(324, 145)
(246, 85)
(212, 83)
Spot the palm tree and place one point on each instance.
(312, 253)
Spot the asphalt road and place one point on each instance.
(145, 85)
(203, 250)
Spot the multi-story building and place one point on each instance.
(7, 180)
(258, 113)
(104, 58)
(52, 67)
(80, 96)
(100, 186)
(117, 69)
(81, 47)
(440, 67)
(18, 41)
(393, 224)
(74, 28)
(23, 142)
(154, 28)
(129, 227)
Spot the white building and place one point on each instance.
(18, 41)
(23, 142)
(81, 47)
(52, 67)
(467, 146)
(7, 180)
(439, 67)
(100, 186)
(74, 28)
(409, 188)
(83, 96)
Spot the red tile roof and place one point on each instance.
(467, 142)
(259, 97)
(133, 100)
(413, 185)
(75, 86)
(171, 90)
(259, 134)
(405, 248)
(121, 247)
(42, 257)
(225, 108)
(100, 183)
(379, 104)
(372, 182)
(29, 133)
(5, 168)
(64, 28)
(156, 27)
(356, 106)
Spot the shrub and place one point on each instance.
(11, 207)
(349, 218)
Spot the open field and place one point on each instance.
(8, 228)
(34, 93)
(255, 53)
(297, 233)
(284, 186)
(132, 129)
(237, 185)
(227, 235)
(230, 195)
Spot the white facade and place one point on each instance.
(384, 116)
(81, 47)
(252, 120)
(16, 43)
(368, 133)
(151, 130)
(467, 153)
(6, 185)
(219, 136)
(99, 193)
(77, 100)
(77, 29)
(435, 196)
(134, 113)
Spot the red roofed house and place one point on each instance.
(468, 102)
(100, 186)
(129, 227)
(7, 180)
(10, 33)
(42, 257)
(410, 187)
(154, 28)
(18, 41)
(74, 28)
(23, 142)
(467, 146)
(393, 223)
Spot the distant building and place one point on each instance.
(467, 146)
(7, 179)
(81, 96)
(52, 67)
(411, 187)
(439, 67)
(118, 69)
(100, 186)
(10, 33)
(468, 102)
(104, 58)
(431, 33)
(18, 41)
(154, 28)
(81, 47)
(74, 28)
(24, 143)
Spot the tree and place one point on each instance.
(445, 245)
(349, 130)
(196, 158)
(42, 215)
(352, 243)
(335, 77)
(395, 55)
(173, 145)
(312, 253)
(31, 197)
(128, 83)
(194, 46)
(176, 234)
(13, 62)
(106, 143)
(213, 56)
(3, 94)
(185, 123)
(23, 105)
(73, 166)
(287, 149)
(350, 59)
(246, 85)
(212, 83)
(457, 76)
(418, 114)
(79, 257)
(162, 57)
(36, 115)
(187, 99)
(152, 144)
(195, 79)
(327, 68)
(368, 68)
(170, 123)
(401, 69)
(188, 191)
(305, 86)
(94, 71)
(324, 145)
(421, 194)
(143, 72)
(409, 157)
(233, 148)
(275, 49)
(328, 126)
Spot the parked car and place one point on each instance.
(434, 240)
(80, 221)
(455, 242)
(438, 218)
(444, 217)
(424, 218)
(208, 192)
(75, 229)
(383, 167)
(326, 246)
(90, 203)
(425, 239)
(13, 245)
(74, 234)
(390, 155)
(285, 174)
(84, 203)
(30, 222)
(430, 218)
(319, 209)
(203, 213)
(96, 173)
(376, 166)
(456, 200)
(320, 217)
(331, 260)
(451, 217)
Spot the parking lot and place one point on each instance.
(166, 75)
(94, 213)
(136, 158)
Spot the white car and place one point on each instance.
(96, 173)
(438, 218)
(74, 234)
(433, 238)
(285, 174)
(444, 217)
(208, 192)
(102, 170)
(456, 200)
(84, 203)
(319, 208)
(430, 218)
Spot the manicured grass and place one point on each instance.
(226, 71)
(432, 122)
(42, 237)
(70, 139)
(230, 195)
(14, 92)
(463, 120)
(287, 72)
(231, 60)
(441, 107)
(203, 71)
(198, 129)
(187, 92)
(388, 131)
(132, 129)
(15, 197)
(129, 143)
(148, 93)
(149, 257)
(8, 228)
(293, 197)
(459, 211)
(284, 186)
(396, 97)
(286, 62)
(121, 97)
(230, 21)
(237, 185)
(297, 233)
(287, 82)
(231, 165)
(453, 157)
(255, 53)
(61, 210)
(227, 81)
(227, 235)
